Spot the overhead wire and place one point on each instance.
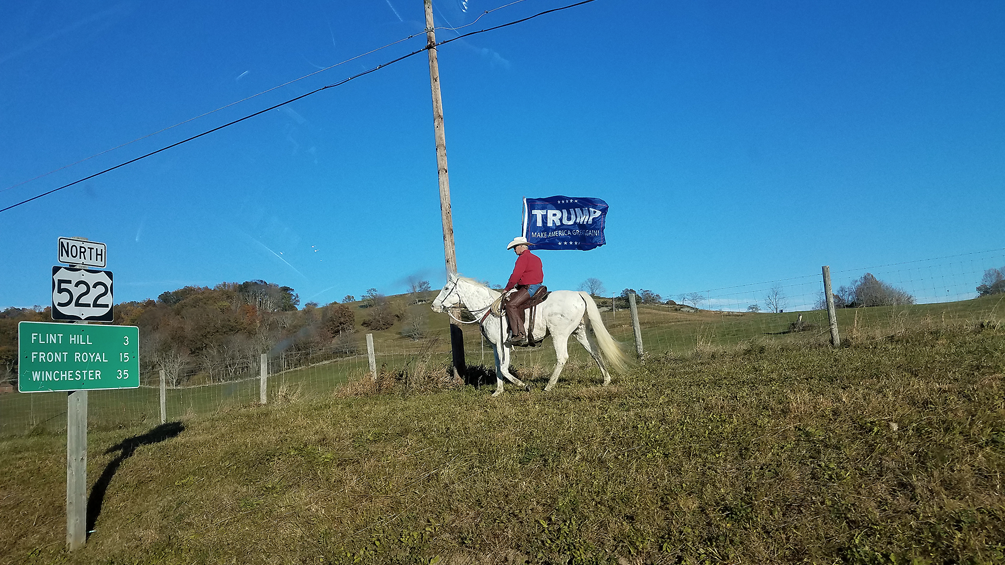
(480, 16)
(218, 128)
(245, 99)
(204, 114)
(284, 103)
(514, 22)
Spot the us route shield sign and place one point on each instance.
(81, 294)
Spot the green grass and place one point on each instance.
(666, 330)
(888, 450)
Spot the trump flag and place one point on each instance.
(564, 222)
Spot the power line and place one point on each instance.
(480, 16)
(291, 100)
(162, 130)
(218, 128)
(287, 83)
(514, 22)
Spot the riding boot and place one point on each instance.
(514, 315)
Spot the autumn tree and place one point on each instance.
(380, 315)
(870, 291)
(622, 300)
(592, 286)
(993, 282)
(650, 297)
(268, 297)
(413, 326)
(370, 298)
(339, 319)
(175, 296)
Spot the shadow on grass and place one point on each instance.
(479, 375)
(126, 448)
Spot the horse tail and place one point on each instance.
(612, 351)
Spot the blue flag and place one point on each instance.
(564, 222)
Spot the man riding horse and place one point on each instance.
(526, 279)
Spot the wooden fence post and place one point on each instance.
(371, 356)
(635, 324)
(163, 397)
(263, 396)
(831, 310)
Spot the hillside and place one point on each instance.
(889, 450)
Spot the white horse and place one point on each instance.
(564, 313)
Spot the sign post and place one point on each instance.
(76, 469)
(76, 358)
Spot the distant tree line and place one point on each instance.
(864, 292)
(217, 334)
(869, 291)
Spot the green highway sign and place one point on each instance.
(64, 357)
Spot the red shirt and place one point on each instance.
(526, 271)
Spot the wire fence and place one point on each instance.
(943, 293)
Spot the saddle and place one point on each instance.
(539, 297)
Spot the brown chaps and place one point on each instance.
(515, 305)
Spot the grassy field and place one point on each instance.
(769, 448)
(665, 330)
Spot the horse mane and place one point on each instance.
(461, 277)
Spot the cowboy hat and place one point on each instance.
(518, 241)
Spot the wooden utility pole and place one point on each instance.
(456, 336)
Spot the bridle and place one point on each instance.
(475, 313)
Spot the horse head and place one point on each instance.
(448, 296)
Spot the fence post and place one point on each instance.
(635, 324)
(831, 311)
(370, 355)
(163, 397)
(263, 388)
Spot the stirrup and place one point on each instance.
(516, 341)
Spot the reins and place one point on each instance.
(459, 321)
(475, 313)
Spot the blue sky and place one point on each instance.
(734, 142)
